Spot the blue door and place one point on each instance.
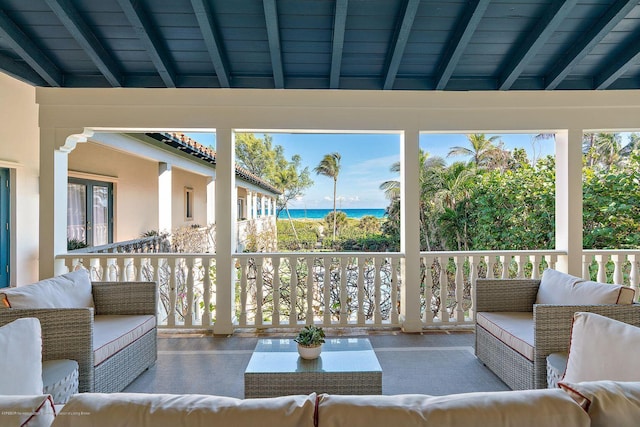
(4, 227)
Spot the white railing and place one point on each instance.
(453, 304)
(333, 289)
(327, 288)
(613, 266)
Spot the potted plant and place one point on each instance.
(310, 340)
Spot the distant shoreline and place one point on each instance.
(321, 213)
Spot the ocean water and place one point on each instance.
(321, 213)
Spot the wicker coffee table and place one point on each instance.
(346, 366)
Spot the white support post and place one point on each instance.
(55, 146)
(409, 238)
(226, 200)
(164, 197)
(249, 207)
(569, 200)
(211, 200)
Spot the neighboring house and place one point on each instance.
(124, 185)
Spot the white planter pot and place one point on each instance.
(309, 353)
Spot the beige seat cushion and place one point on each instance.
(159, 410)
(546, 408)
(112, 333)
(515, 329)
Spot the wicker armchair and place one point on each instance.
(67, 333)
(551, 329)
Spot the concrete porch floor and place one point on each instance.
(434, 362)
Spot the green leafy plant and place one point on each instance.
(310, 336)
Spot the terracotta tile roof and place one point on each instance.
(190, 146)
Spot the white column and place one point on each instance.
(409, 231)
(569, 200)
(55, 146)
(263, 206)
(165, 192)
(226, 200)
(254, 205)
(249, 204)
(211, 200)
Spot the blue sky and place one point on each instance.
(366, 159)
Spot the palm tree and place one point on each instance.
(601, 148)
(330, 166)
(482, 149)
(285, 179)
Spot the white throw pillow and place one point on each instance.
(27, 411)
(71, 290)
(21, 359)
(608, 403)
(565, 289)
(547, 407)
(602, 349)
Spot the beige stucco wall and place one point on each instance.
(135, 186)
(19, 148)
(180, 180)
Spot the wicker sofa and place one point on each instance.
(518, 354)
(113, 342)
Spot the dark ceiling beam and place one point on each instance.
(459, 41)
(28, 51)
(619, 62)
(20, 71)
(212, 40)
(400, 42)
(146, 32)
(585, 44)
(535, 40)
(339, 25)
(273, 33)
(80, 31)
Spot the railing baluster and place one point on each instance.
(519, 267)
(459, 261)
(395, 266)
(617, 269)
(472, 279)
(491, 262)
(188, 317)
(427, 315)
(173, 267)
(586, 262)
(377, 314)
(602, 269)
(259, 260)
(206, 291)
(327, 289)
(506, 261)
(243, 291)
(361, 319)
(535, 267)
(343, 290)
(309, 315)
(275, 320)
(293, 285)
(444, 290)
